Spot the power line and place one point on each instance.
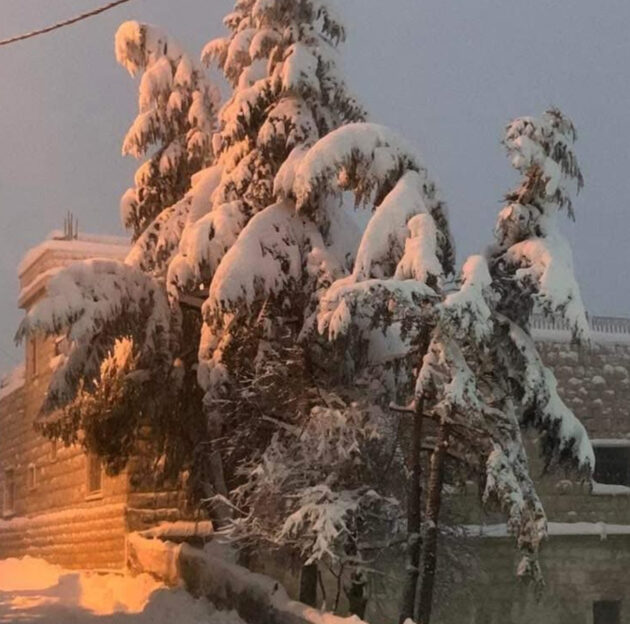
(68, 22)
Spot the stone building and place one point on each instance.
(586, 560)
(58, 504)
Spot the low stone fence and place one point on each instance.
(209, 572)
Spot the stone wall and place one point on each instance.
(595, 383)
(92, 534)
(578, 570)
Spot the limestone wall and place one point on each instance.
(51, 481)
(594, 383)
(579, 571)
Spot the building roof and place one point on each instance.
(59, 250)
(91, 245)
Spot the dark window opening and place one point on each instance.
(612, 465)
(31, 357)
(8, 497)
(94, 474)
(607, 612)
(32, 477)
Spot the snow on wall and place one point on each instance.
(603, 330)
(600, 529)
(210, 573)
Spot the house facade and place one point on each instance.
(586, 560)
(57, 502)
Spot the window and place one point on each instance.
(32, 476)
(53, 450)
(31, 357)
(8, 495)
(612, 465)
(607, 612)
(94, 474)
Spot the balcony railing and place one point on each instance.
(602, 327)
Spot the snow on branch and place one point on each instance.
(176, 116)
(385, 248)
(377, 165)
(468, 309)
(348, 302)
(543, 149)
(365, 157)
(320, 475)
(564, 436)
(264, 261)
(92, 303)
(545, 265)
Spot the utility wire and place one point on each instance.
(68, 22)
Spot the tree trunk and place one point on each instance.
(432, 515)
(414, 518)
(357, 595)
(221, 512)
(308, 585)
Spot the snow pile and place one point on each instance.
(213, 573)
(609, 489)
(32, 589)
(27, 573)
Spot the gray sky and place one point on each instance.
(447, 73)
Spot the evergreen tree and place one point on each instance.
(176, 119)
(107, 309)
(379, 318)
(481, 378)
(253, 256)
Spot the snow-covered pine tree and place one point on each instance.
(127, 360)
(379, 317)
(280, 57)
(250, 253)
(315, 490)
(483, 379)
(531, 266)
(176, 118)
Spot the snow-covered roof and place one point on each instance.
(92, 245)
(12, 381)
(41, 262)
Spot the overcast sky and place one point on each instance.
(448, 74)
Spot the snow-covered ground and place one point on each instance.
(32, 590)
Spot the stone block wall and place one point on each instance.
(579, 571)
(595, 383)
(54, 515)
